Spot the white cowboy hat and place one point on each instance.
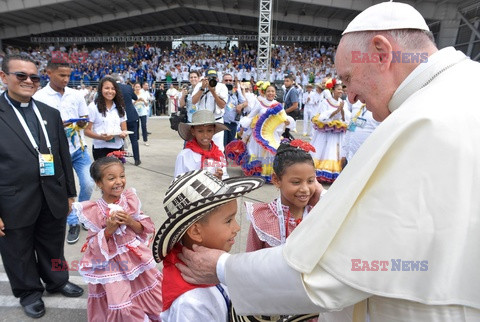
(202, 117)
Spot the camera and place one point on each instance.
(212, 82)
(211, 75)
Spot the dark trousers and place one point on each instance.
(229, 136)
(32, 253)
(161, 109)
(143, 121)
(102, 152)
(294, 114)
(133, 126)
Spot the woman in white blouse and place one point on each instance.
(107, 119)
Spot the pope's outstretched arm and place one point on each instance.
(261, 282)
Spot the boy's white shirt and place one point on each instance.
(205, 304)
(187, 160)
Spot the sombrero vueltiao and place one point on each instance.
(190, 197)
(270, 318)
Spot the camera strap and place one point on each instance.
(206, 106)
(204, 93)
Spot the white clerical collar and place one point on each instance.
(424, 73)
(17, 103)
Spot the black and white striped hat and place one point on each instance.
(233, 317)
(189, 197)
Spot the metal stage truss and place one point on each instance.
(264, 37)
(115, 39)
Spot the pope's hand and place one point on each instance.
(200, 265)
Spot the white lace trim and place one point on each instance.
(91, 278)
(114, 307)
(263, 236)
(78, 210)
(121, 248)
(146, 289)
(138, 293)
(97, 295)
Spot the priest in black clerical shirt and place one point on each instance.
(37, 188)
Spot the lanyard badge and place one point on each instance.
(361, 122)
(47, 167)
(45, 161)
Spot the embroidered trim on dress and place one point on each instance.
(120, 306)
(92, 278)
(263, 236)
(78, 210)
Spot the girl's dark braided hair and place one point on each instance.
(98, 165)
(288, 155)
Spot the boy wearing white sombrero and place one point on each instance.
(201, 210)
(200, 151)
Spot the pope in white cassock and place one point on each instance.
(398, 234)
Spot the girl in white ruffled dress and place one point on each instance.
(330, 126)
(265, 124)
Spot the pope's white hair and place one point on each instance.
(407, 39)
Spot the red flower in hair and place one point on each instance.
(305, 146)
(331, 83)
(119, 155)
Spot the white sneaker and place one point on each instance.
(146, 143)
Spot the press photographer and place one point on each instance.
(209, 94)
(186, 97)
(233, 110)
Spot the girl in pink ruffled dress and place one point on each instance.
(294, 177)
(123, 281)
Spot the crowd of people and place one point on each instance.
(147, 63)
(311, 253)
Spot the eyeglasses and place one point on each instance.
(21, 76)
(228, 80)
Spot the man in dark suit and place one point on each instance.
(36, 192)
(161, 97)
(132, 117)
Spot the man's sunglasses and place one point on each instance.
(23, 77)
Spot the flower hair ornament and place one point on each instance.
(300, 144)
(119, 155)
(330, 83)
(265, 86)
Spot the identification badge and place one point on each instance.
(361, 122)
(46, 165)
(351, 127)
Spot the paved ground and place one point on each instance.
(151, 179)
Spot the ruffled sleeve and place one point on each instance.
(134, 209)
(98, 249)
(264, 223)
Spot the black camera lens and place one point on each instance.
(212, 82)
